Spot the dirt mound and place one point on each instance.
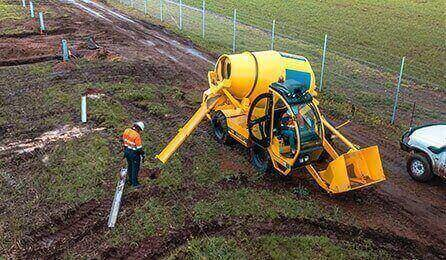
(63, 66)
(101, 54)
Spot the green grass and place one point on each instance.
(9, 11)
(154, 218)
(263, 204)
(78, 170)
(308, 247)
(344, 74)
(273, 247)
(370, 29)
(212, 248)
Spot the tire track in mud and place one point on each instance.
(155, 41)
(62, 232)
(161, 246)
(29, 60)
(21, 35)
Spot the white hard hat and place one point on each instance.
(140, 125)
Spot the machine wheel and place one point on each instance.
(419, 168)
(260, 159)
(220, 126)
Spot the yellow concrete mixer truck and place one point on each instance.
(266, 101)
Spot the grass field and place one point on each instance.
(347, 80)
(374, 30)
(83, 170)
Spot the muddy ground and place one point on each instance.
(404, 218)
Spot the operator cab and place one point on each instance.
(291, 128)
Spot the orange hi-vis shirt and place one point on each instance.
(132, 139)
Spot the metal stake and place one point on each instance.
(31, 9)
(181, 15)
(323, 62)
(117, 199)
(42, 24)
(413, 115)
(234, 32)
(395, 106)
(203, 18)
(273, 34)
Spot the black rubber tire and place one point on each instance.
(220, 128)
(260, 159)
(419, 162)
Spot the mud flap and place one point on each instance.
(353, 170)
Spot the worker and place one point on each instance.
(288, 131)
(133, 152)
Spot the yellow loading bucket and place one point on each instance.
(353, 170)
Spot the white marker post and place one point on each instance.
(31, 9)
(117, 199)
(23, 3)
(42, 24)
(84, 109)
(145, 6)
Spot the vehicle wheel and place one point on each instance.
(220, 127)
(419, 168)
(261, 160)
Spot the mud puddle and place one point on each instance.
(63, 133)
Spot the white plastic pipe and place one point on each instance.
(84, 109)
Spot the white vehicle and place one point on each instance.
(427, 148)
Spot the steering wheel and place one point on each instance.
(259, 121)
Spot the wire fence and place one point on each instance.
(343, 77)
(371, 86)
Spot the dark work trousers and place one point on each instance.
(133, 161)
